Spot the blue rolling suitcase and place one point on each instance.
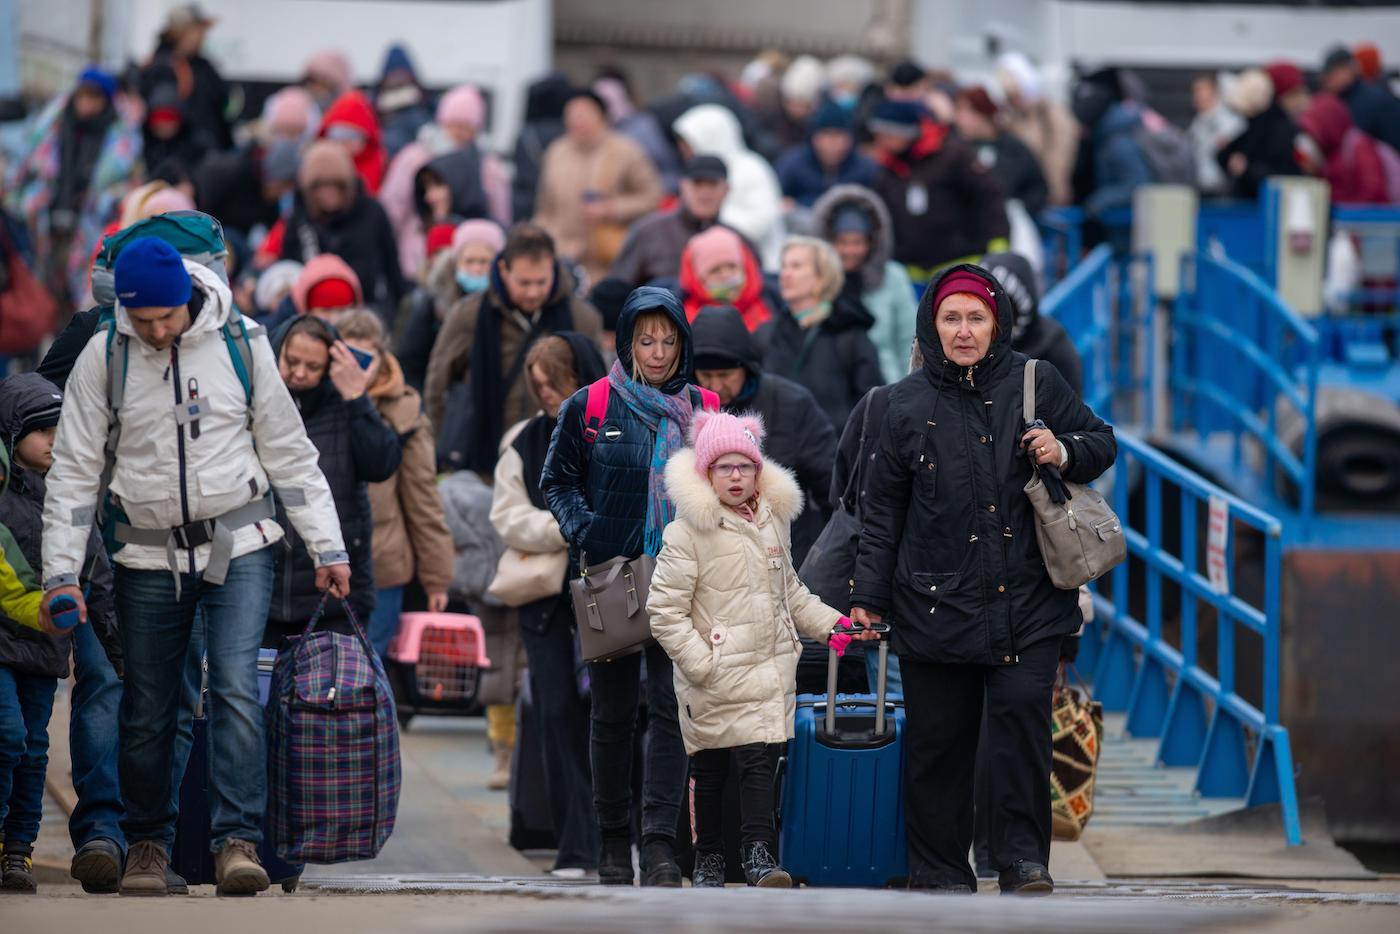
(841, 818)
(189, 855)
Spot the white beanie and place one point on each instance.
(1019, 76)
(804, 79)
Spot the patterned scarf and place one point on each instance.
(668, 417)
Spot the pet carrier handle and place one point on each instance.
(883, 631)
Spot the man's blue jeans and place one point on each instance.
(384, 621)
(26, 702)
(92, 743)
(156, 628)
(894, 682)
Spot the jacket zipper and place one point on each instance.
(180, 445)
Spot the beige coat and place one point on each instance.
(517, 520)
(1052, 134)
(617, 169)
(411, 538)
(727, 606)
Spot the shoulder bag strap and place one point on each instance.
(595, 409)
(709, 401)
(1028, 392)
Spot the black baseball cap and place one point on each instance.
(706, 168)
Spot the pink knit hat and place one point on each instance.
(292, 110)
(715, 434)
(713, 247)
(479, 231)
(462, 104)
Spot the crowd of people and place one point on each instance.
(389, 303)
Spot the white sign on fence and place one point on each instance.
(1217, 541)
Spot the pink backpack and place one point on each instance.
(596, 408)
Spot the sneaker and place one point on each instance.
(569, 872)
(146, 862)
(175, 883)
(1026, 878)
(17, 873)
(659, 866)
(709, 871)
(762, 870)
(98, 866)
(237, 870)
(615, 861)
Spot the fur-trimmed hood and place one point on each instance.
(872, 271)
(696, 502)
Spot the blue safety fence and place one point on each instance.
(1243, 363)
(1154, 669)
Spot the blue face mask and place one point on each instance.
(469, 283)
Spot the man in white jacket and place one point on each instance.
(204, 432)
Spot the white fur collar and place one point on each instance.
(697, 503)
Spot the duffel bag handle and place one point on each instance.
(354, 624)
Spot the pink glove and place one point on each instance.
(839, 640)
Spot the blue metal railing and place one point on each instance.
(1239, 354)
(1200, 717)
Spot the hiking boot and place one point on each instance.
(175, 883)
(17, 873)
(98, 866)
(659, 866)
(1026, 878)
(146, 862)
(615, 861)
(762, 870)
(237, 870)
(709, 871)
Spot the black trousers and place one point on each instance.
(709, 768)
(944, 705)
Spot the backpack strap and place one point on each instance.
(708, 400)
(595, 409)
(1028, 392)
(238, 338)
(116, 395)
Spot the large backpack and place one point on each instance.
(1167, 149)
(197, 237)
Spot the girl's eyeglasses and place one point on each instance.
(743, 470)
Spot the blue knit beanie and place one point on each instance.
(150, 274)
(830, 116)
(99, 79)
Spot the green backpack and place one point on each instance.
(197, 237)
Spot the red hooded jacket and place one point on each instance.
(1353, 163)
(752, 308)
(353, 109)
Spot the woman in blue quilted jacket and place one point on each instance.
(610, 499)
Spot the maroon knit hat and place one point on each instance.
(968, 282)
(1286, 77)
(979, 100)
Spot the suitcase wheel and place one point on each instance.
(290, 886)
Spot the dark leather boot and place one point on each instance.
(659, 866)
(615, 861)
(1026, 878)
(762, 869)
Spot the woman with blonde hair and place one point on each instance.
(822, 340)
(605, 484)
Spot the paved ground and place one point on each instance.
(447, 869)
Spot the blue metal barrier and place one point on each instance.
(1200, 717)
(1238, 354)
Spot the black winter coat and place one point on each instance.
(835, 360)
(1016, 168)
(229, 186)
(63, 352)
(799, 435)
(598, 492)
(356, 448)
(947, 548)
(22, 648)
(1267, 145)
(363, 238)
(205, 106)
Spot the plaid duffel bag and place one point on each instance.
(1078, 739)
(333, 748)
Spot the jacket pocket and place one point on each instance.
(935, 587)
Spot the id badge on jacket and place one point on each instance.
(916, 201)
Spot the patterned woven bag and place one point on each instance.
(1078, 737)
(333, 748)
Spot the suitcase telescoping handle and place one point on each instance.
(883, 630)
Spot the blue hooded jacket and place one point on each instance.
(598, 492)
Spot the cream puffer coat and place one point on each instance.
(727, 606)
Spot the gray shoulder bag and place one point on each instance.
(610, 607)
(1080, 537)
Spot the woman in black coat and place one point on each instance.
(609, 501)
(356, 448)
(821, 339)
(948, 554)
